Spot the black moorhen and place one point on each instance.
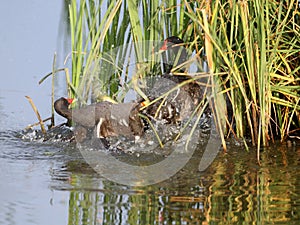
(181, 104)
(107, 118)
(174, 44)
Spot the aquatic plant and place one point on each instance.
(96, 30)
(251, 49)
(254, 46)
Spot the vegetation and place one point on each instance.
(252, 49)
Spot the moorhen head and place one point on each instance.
(174, 53)
(170, 42)
(61, 106)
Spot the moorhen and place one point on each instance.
(173, 48)
(107, 119)
(179, 104)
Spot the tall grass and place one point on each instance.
(98, 27)
(256, 43)
(89, 29)
(251, 48)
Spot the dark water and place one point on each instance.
(50, 183)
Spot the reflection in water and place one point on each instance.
(232, 190)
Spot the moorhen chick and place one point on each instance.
(107, 119)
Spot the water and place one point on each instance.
(51, 180)
(50, 183)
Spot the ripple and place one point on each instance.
(28, 145)
(58, 134)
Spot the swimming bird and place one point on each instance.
(107, 119)
(180, 104)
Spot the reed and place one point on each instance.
(256, 43)
(95, 32)
(251, 49)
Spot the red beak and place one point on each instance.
(70, 100)
(165, 46)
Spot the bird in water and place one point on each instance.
(105, 118)
(180, 103)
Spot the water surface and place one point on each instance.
(50, 183)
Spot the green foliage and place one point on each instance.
(98, 27)
(256, 44)
(252, 51)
